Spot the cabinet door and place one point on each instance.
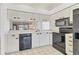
(35, 40)
(44, 39)
(56, 37)
(12, 43)
(69, 44)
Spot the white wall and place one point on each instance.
(67, 12)
(4, 27)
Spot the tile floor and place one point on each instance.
(45, 50)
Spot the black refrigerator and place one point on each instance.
(76, 31)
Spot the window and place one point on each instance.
(45, 25)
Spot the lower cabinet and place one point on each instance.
(40, 39)
(44, 39)
(35, 40)
(12, 43)
(69, 43)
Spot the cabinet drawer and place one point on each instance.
(71, 41)
(70, 36)
(70, 47)
(71, 51)
(13, 36)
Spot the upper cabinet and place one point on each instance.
(27, 25)
(20, 20)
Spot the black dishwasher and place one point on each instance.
(25, 41)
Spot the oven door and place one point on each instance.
(59, 42)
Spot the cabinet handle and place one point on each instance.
(13, 35)
(37, 33)
(70, 45)
(16, 38)
(70, 41)
(47, 32)
(70, 36)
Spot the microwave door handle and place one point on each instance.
(55, 23)
(65, 23)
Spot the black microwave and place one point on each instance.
(62, 22)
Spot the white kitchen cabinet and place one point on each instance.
(69, 43)
(40, 39)
(35, 40)
(44, 38)
(50, 38)
(12, 43)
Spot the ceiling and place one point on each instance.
(43, 6)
